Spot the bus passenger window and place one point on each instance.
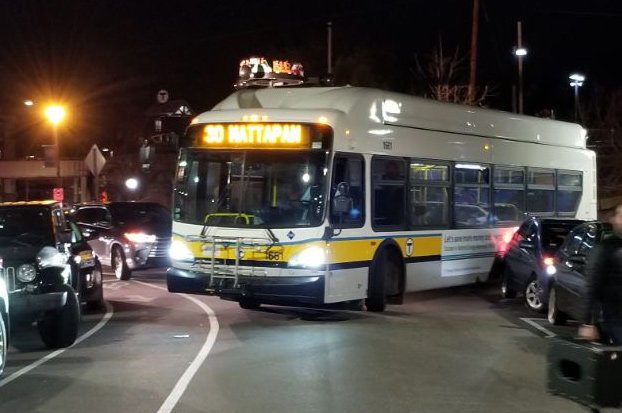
(389, 179)
(349, 170)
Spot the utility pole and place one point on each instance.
(330, 47)
(473, 62)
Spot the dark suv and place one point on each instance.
(528, 255)
(127, 235)
(47, 268)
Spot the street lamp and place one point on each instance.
(576, 81)
(55, 115)
(520, 53)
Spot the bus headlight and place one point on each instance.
(26, 273)
(312, 257)
(179, 251)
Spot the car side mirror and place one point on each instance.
(66, 236)
(88, 232)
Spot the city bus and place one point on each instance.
(311, 196)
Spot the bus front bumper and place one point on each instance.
(307, 289)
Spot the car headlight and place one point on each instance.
(51, 257)
(179, 251)
(140, 237)
(312, 257)
(26, 273)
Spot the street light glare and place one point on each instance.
(577, 80)
(521, 51)
(55, 114)
(131, 183)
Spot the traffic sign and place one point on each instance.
(162, 96)
(58, 194)
(94, 160)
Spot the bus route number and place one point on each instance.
(274, 255)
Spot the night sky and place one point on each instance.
(107, 59)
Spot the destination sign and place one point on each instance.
(256, 135)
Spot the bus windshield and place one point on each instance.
(262, 189)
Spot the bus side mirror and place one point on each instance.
(341, 204)
(146, 154)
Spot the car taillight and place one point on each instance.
(549, 268)
(506, 237)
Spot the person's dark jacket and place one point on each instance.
(604, 282)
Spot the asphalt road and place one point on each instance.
(453, 350)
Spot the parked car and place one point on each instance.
(48, 269)
(4, 322)
(126, 236)
(471, 215)
(527, 256)
(566, 279)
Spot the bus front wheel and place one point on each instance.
(384, 281)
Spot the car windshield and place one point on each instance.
(139, 213)
(26, 226)
(263, 189)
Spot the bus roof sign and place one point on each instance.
(256, 135)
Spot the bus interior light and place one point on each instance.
(470, 166)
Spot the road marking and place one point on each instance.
(137, 298)
(26, 369)
(533, 322)
(184, 380)
(115, 284)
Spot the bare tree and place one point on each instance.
(604, 116)
(445, 77)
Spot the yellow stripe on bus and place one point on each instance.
(350, 250)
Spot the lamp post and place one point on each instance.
(520, 53)
(55, 115)
(576, 81)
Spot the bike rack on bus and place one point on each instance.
(224, 271)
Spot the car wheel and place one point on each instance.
(59, 328)
(532, 296)
(506, 290)
(4, 342)
(96, 301)
(119, 266)
(249, 304)
(555, 316)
